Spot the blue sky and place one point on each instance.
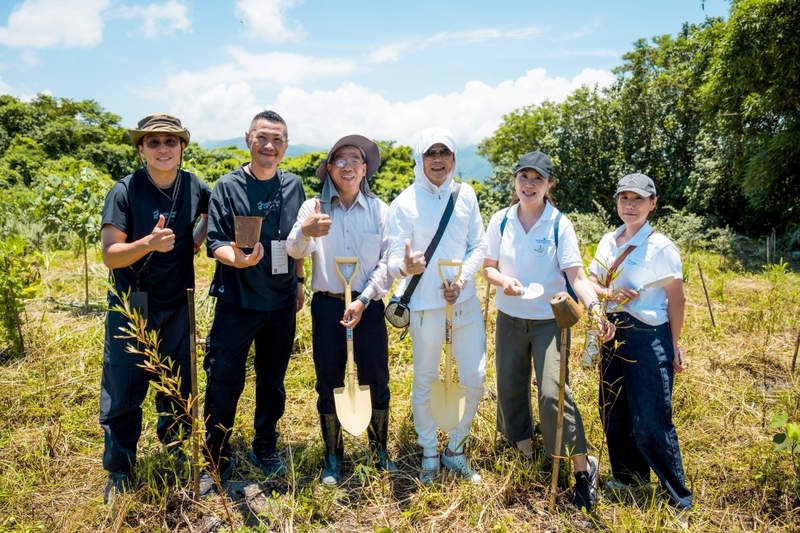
(382, 69)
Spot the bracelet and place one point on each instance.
(592, 305)
(196, 247)
(363, 300)
(301, 279)
(402, 272)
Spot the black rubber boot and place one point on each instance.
(378, 434)
(334, 449)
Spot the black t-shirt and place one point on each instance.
(278, 200)
(132, 206)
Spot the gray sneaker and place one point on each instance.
(458, 464)
(430, 470)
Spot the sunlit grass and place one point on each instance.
(51, 477)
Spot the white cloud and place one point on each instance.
(264, 20)
(158, 18)
(45, 23)
(271, 69)
(320, 117)
(393, 51)
(4, 87)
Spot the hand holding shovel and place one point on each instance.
(353, 402)
(567, 313)
(448, 398)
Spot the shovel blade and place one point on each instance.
(353, 408)
(447, 406)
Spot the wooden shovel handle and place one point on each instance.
(450, 263)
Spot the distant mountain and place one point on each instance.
(469, 164)
(238, 142)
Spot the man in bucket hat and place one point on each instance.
(258, 292)
(347, 220)
(149, 240)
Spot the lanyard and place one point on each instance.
(271, 201)
(166, 224)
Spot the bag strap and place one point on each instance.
(620, 259)
(448, 211)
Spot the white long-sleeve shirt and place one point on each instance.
(415, 215)
(360, 231)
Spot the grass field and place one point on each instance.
(51, 477)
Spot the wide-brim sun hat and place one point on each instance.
(369, 150)
(638, 183)
(158, 123)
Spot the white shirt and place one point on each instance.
(360, 231)
(655, 257)
(415, 215)
(532, 257)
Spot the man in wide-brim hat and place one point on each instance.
(149, 240)
(347, 220)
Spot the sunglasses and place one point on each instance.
(170, 142)
(442, 153)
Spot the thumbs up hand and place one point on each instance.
(316, 224)
(161, 239)
(413, 262)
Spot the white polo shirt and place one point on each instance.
(532, 257)
(655, 257)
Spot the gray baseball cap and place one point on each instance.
(538, 161)
(638, 183)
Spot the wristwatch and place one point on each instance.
(301, 279)
(363, 300)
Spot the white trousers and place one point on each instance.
(469, 350)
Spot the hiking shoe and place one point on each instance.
(430, 470)
(681, 519)
(264, 454)
(585, 496)
(207, 482)
(118, 483)
(458, 464)
(615, 485)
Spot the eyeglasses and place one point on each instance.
(277, 142)
(441, 153)
(154, 142)
(341, 163)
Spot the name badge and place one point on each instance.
(280, 259)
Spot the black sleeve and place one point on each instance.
(116, 210)
(220, 229)
(205, 196)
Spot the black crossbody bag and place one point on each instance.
(397, 310)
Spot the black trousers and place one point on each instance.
(124, 386)
(370, 351)
(228, 343)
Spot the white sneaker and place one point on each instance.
(459, 465)
(430, 470)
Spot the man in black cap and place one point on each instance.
(149, 240)
(347, 220)
(258, 292)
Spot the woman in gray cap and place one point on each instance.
(532, 242)
(640, 275)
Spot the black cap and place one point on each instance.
(538, 161)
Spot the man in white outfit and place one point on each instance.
(414, 218)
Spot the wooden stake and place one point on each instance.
(708, 300)
(14, 305)
(796, 347)
(193, 367)
(486, 301)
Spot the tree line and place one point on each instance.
(712, 114)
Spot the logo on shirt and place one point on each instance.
(156, 214)
(268, 205)
(541, 246)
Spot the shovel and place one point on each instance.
(663, 282)
(448, 398)
(353, 402)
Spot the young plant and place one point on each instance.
(73, 201)
(19, 279)
(788, 439)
